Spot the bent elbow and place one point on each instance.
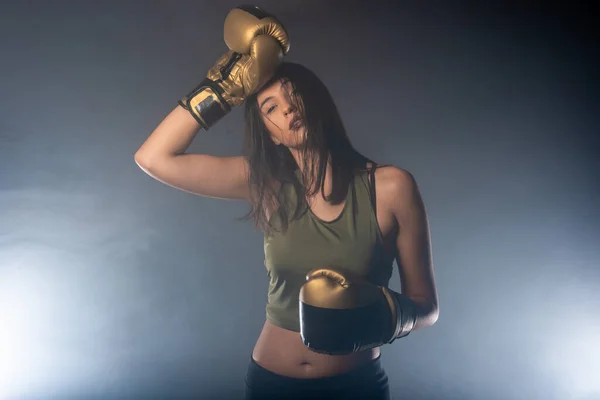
(434, 315)
(143, 161)
(429, 316)
(140, 159)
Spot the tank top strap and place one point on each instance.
(365, 188)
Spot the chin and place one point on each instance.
(300, 133)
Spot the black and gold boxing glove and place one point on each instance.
(341, 313)
(257, 43)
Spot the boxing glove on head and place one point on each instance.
(257, 43)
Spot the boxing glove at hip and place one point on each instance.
(341, 313)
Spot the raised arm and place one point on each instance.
(257, 43)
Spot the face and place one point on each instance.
(280, 108)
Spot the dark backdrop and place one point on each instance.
(113, 285)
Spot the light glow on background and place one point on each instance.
(25, 317)
(113, 285)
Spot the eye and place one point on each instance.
(270, 109)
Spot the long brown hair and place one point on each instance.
(270, 163)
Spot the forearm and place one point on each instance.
(409, 314)
(171, 137)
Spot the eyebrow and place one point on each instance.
(264, 101)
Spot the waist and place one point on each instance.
(281, 351)
(284, 315)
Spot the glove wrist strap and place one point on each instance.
(403, 313)
(206, 103)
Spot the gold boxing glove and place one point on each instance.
(257, 43)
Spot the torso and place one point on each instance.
(282, 351)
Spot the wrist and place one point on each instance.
(206, 103)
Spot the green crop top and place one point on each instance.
(353, 241)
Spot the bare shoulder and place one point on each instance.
(397, 189)
(393, 179)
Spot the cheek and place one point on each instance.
(269, 123)
(273, 124)
(272, 128)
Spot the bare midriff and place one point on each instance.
(282, 352)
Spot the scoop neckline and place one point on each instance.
(340, 215)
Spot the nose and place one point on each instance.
(288, 109)
(289, 112)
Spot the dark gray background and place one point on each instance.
(113, 285)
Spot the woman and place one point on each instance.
(319, 202)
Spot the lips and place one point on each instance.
(295, 123)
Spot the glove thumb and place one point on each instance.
(331, 274)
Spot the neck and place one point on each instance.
(310, 173)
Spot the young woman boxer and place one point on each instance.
(333, 220)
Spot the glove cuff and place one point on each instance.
(206, 103)
(403, 311)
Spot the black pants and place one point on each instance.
(368, 381)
